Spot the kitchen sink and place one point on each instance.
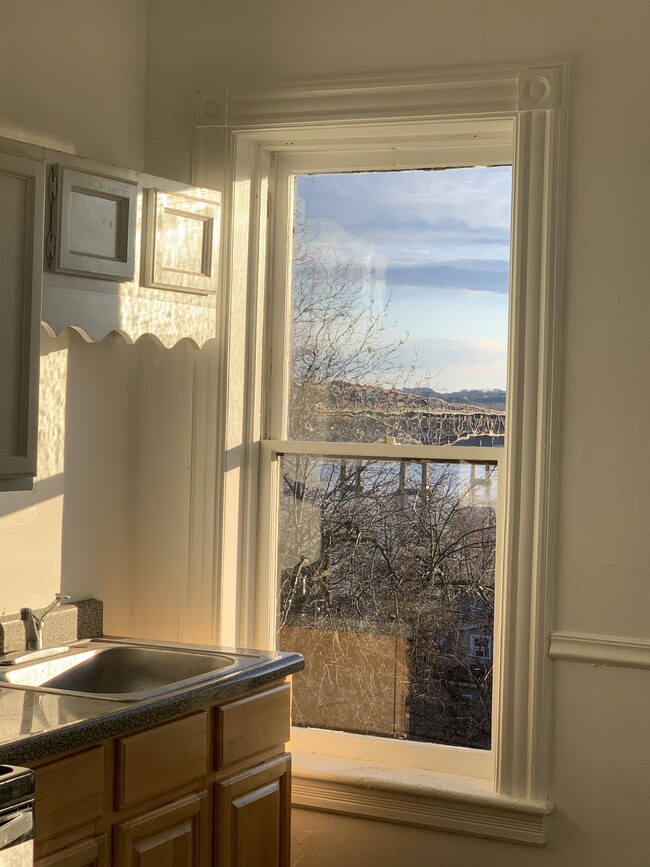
(123, 670)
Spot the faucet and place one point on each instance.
(29, 616)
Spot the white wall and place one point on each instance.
(73, 76)
(109, 515)
(600, 750)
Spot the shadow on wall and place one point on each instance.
(130, 482)
(44, 489)
(126, 445)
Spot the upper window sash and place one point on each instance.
(491, 146)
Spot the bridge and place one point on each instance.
(343, 411)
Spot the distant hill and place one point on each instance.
(492, 398)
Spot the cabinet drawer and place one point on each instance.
(161, 759)
(88, 853)
(69, 793)
(252, 725)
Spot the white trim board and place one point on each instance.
(366, 793)
(600, 649)
(486, 91)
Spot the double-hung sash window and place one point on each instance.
(386, 419)
(390, 321)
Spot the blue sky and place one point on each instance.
(434, 246)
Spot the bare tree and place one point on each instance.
(396, 550)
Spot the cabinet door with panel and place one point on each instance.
(175, 835)
(22, 204)
(253, 816)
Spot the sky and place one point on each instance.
(433, 248)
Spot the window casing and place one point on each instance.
(453, 118)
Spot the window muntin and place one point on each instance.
(351, 382)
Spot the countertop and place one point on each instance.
(37, 725)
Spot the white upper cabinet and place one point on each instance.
(22, 202)
(130, 252)
(98, 248)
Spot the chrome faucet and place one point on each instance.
(29, 616)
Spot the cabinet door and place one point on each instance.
(88, 853)
(22, 203)
(253, 819)
(176, 835)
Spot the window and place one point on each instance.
(280, 458)
(398, 287)
(480, 645)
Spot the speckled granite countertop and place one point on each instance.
(36, 725)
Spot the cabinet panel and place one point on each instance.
(175, 835)
(95, 225)
(253, 816)
(88, 853)
(252, 725)
(69, 793)
(182, 241)
(22, 198)
(161, 759)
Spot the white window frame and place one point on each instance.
(492, 144)
(261, 127)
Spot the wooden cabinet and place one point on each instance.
(70, 793)
(161, 759)
(209, 789)
(251, 725)
(88, 853)
(175, 835)
(253, 813)
(22, 204)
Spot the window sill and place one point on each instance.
(409, 797)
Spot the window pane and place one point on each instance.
(386, 575)
(400, 306)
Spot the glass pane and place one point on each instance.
(400, 306)
(386, 575)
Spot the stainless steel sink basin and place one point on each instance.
(124, 670)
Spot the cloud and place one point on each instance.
(478, 198)
(487, 276)
(408, 220)
(408, 232)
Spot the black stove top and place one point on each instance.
(16, 785)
